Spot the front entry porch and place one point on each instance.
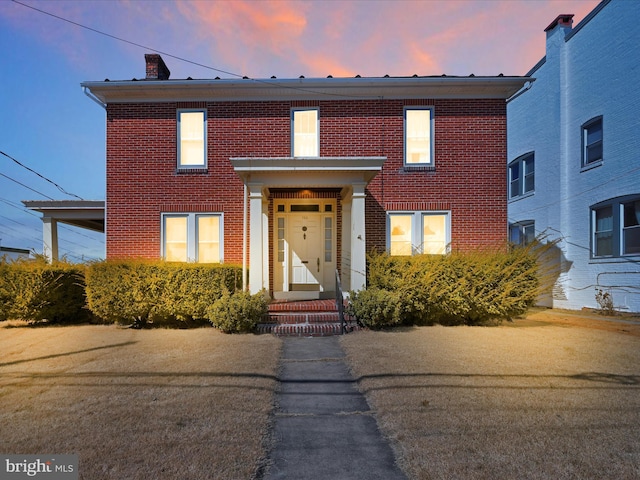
(295, 237)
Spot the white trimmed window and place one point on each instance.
(305, 140)
(592, 136)
(192, 139)
(418, 136)
(615, 227)
(411, 233)
(192, 237)
(522, 175)
(522, 233)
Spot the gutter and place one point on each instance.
(89, 94)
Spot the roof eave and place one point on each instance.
(145, 91)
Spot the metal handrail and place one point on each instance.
(340, 303)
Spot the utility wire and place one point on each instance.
(26, 186)
(182, 59)
(41, 176)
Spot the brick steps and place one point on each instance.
(314, 318)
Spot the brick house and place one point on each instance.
(297, 178)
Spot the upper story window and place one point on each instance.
(192, 237)
(306, 132)
(522, 233)
(418, 136)
(192, 139)
(592, 135)
(615, 227)
(411, 233)
(522, 175)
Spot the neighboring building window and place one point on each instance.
(522, 175)
(615, 227)
(418, 232)
(418, 136)
(631, 228)
(192, 128)
(192, 237)
(522, 233)
(306, 136)
(592, 142)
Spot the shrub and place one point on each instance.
(458, 288)
(39, 291)
(239, 312)
(376, 308)
(141, 291)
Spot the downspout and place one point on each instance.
(244, 239)
(88, 93)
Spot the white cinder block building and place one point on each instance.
(574, 156)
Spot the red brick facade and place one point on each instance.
(469, 178)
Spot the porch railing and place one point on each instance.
(340, 303)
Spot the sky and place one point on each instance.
(47, 48)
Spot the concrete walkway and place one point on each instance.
(323, 427)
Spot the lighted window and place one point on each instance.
(418, 136)
(522, 175)
(305, 138)
(192, 237)
(592, 135)
(175, 239)
(434, 234)
(412, 233)
(192, 139)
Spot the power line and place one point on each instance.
(182, 59)
(41, 176)
(26, 186)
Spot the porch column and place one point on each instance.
(358, 243)
(50, 238)
(258, 268)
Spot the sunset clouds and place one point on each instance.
(260, 38)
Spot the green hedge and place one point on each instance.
(458, 288)
(238, 313)
(138, 291)
(39, 291)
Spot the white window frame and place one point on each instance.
(517, 187)
(522, 228)
(417, 228)
(430, 161)
(192, 233)
(587, 146)
(179, 113)
(293, 130)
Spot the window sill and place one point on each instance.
(621, 259)
(590, 166)
(522, 197)
(192, 171)
(419, 168)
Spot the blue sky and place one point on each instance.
(49, 125)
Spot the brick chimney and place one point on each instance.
(156, 68)
(564, 21)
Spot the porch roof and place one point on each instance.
(307, 171)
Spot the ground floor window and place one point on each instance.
(192, 237)
(412, 233)
(522, 233)
(615, 227)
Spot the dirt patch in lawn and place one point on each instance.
(553, 395)
(139, 404)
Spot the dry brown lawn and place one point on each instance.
(175, 404)
(552, 396)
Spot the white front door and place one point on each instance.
(306, 250)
